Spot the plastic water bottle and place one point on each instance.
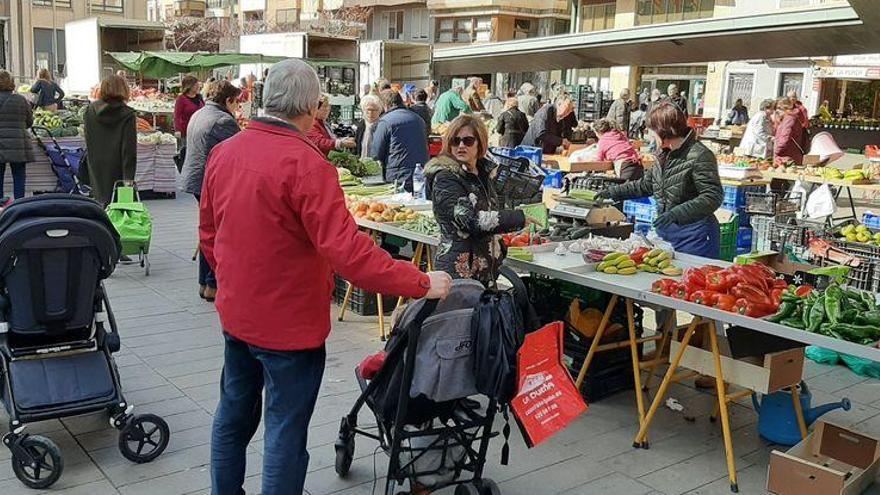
(419, 182)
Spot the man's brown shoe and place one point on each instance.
(210, 294)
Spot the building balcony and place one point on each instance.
(190, 8)
(526, 6)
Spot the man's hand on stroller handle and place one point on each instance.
(441, 282)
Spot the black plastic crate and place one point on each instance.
(865, 252)
(772, 203)
(865, 277)
(517, 180)
(361, 302)
(794, 234)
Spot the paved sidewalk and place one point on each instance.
(170, 365)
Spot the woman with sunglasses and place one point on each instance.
(466, 205)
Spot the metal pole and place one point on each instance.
(54, 38)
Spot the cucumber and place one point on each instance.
(578, 233)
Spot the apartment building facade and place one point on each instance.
(33, 30)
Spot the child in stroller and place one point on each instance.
(418, 399)
(58, 332)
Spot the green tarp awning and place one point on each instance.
(167, 64)
(160, 65)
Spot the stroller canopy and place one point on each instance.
(81, 213)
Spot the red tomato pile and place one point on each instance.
(751, 290)
(523, 239)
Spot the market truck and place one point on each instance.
(405, 63)
(90, 40)
(334, 57)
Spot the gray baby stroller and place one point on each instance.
(57, 332)
(433, 435)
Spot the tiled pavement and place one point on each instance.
(170, 365)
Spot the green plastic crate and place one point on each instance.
(729, 231)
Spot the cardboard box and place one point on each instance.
(560, 162)
(766, 374)
(832, 460)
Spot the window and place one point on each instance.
(395, 25)
(464, 29)
(524, 28)
(660, 11)
(791, 82)
(285, 17)
(107, 5)
(483, 28)
(445, 31)
(44, 50)
(420, 24)
(739, 86)
(597, 17)
(48, 3)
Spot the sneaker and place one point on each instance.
(125, 259)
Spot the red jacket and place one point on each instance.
(184, 108)
(789, 139)
(274, 227)
(319, 135)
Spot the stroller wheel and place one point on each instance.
(344, 455)
(468, 488)
(43, 466)
(144, 438)
(488, 487)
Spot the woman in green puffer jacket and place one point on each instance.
(684, 182)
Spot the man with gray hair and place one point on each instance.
(274, 228)
(552, 125)
(620, 110)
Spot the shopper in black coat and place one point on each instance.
(512, 124)
(421, 108)
(466, 206)
(16, 147)
(552, 125)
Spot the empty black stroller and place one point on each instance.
(58, 332)
(64, 162)
(423, 423)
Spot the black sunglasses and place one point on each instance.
(467, 140)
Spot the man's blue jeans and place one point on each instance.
(291, 381)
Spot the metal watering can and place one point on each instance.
(776, 417)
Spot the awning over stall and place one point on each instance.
(168, 64)
(845, 29)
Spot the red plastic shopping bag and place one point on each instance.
(547, 400)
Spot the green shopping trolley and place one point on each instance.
(132, 221)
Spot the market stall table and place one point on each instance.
(636, 288)
(156, 170)
(815, 180)
(421, 251)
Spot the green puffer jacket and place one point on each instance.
(686, 185)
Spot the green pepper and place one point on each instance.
(869, 318)
(807, 308)
(870, 300)
(827, 330)
(833, 297)
(793, 323)
(817, 314)
(857, 333)
(786, 310)
(849, 316)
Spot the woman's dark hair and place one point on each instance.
(6, 82)
(391, 98)
(668, 121)
(114, 88)
(421, 95)
(223, 91)
(187, 83)
(602, 126)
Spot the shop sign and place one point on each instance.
(850, 72)
(864, 60)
